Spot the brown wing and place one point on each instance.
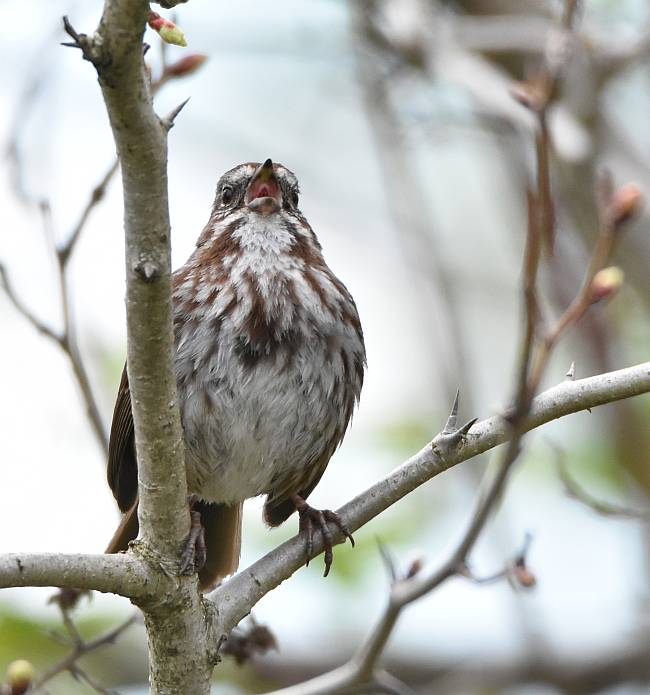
(278, 506)
(122, 472)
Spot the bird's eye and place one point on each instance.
(294, 198)
(226, 195)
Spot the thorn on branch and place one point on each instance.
(571, 374)
(450, 426)
(168, 121)
(79, 41)
(451, 436)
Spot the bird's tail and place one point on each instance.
(126, 531)
(222, 525)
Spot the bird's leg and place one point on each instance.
(194, 551)
(309, 516)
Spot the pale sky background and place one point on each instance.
(282, 84)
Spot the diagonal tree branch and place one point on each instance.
(236, 597)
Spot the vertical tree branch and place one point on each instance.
(178, 622)
(142, 148)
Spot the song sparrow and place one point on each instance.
(269, 359)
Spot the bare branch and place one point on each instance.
(123, 574)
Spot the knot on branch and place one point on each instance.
(163, 571)
(147, 270)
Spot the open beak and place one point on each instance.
(264, 194)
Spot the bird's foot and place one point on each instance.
(194, 551)
(310, 517)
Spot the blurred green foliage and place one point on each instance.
(407, 435)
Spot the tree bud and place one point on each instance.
(167, 30)
(414, 568)
(625, 203)
(20, 675)
(530, 94)
(606, 283)
(186, 66)
(524, 577)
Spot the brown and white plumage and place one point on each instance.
(269, 360)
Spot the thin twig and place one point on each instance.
(82, 648)
(576, 491)
(96, 196)
(609, 232)
(80, 674)
(23, 310)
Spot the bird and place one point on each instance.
(269, 360)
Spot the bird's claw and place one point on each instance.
(310, 517)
